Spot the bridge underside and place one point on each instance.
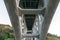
(13, 12)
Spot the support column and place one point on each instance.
(51, 8)
(13, 11)
(40, 22)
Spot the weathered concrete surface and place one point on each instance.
(51, 8)
(12, 11)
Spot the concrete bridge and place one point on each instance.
(15, 12)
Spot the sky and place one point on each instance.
(55, 23)
(4, 18)
(54, 27)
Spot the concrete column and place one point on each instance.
(51, 8)
(40, 22)
(13, 11)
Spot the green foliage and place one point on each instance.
(52, 37)
(8, 34)
(1, 38)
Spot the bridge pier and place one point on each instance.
(50, 10)
(13, 11)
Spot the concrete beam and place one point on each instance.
(33, 11)
(51, 8)
(31, 35)
(30, 11)
(12, 11)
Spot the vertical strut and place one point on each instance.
(12, 10)
(40, 22)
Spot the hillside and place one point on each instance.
(52, 37)
(6, 33)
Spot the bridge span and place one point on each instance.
(30, 11)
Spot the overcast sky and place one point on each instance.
(4, 18)
(54, 26)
